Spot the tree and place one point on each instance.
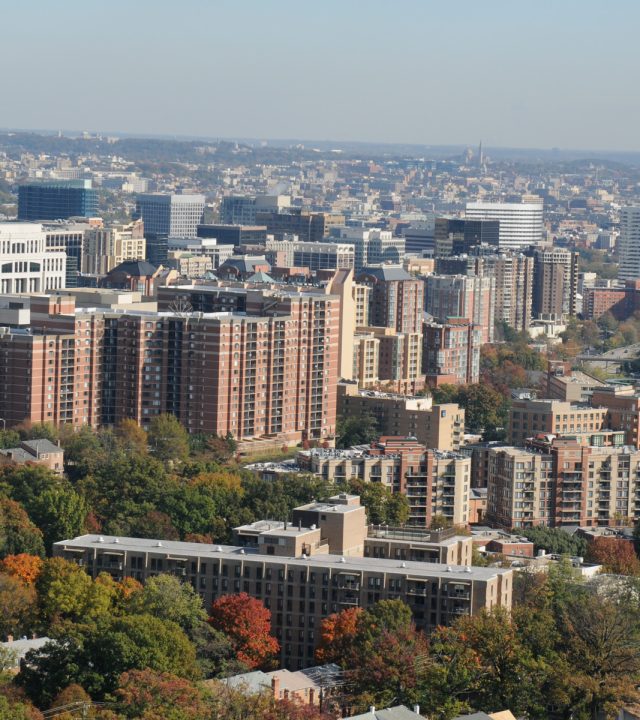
(215, 653)
(17, 710)
(154, 524)
(23, 566)
(73, 693)
(131, 438)
(17, 605)
(168, 440)
(17, 533)
(95, 657)
(165, 597)
(602, 641)
(60, 513)
(615, 555)
(384, 507)
(149, 695)
(248, 624)
(555, 540)
(439, 521)
(382, 650)
(361, 430)
(66, 592)
(337, 635)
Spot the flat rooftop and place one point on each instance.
(176, 550)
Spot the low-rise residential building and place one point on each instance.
(40, 452)
(291, 572)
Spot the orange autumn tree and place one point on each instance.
(615, 555)
(24, 566)
(337, 634)
(247, 623)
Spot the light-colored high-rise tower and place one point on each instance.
(629, 243)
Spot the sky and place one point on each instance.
(551, 73)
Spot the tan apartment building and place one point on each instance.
(436, 426)
(103, 248)
(295, 573)
(611, 418)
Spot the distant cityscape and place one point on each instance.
(330, 384)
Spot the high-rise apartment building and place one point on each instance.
(520, 223)
(106, 247)
(309, 569)
(555, 283)
(27, 264)
(629, 244)
(396, 300)
(451, 352)
(434, 482)
(269, 369)
(57, 200)
(394, 357)
(462, 296)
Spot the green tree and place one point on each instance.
(361, 430)
(60, 513)
(555, 540)
(17, 533)
(168, 440)
(165, 597)
(67, 593)
(383, 506)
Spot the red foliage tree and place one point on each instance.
(615, 555)
(247, 623)
(337, 634)
(24, 566)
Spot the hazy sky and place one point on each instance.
(560, 73)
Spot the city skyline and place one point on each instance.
(423, 74)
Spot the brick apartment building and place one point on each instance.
(559, 482)
(262, 363)
(306, 570)
(611, 418)
(434, 482)
(451, 352)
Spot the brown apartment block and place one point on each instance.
(558, 482)
(304, 572)
(265, 365)
(436, 426)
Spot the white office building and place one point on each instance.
(26, 264)
(520, 223)
(373, 246)
(629, 243)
